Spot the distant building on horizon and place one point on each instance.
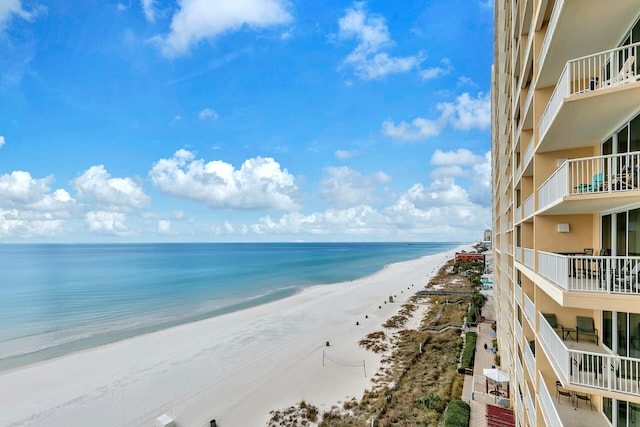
(565, 124)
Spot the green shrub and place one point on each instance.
(458, 413)
(468, 351)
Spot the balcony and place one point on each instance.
(529, 359)
(531, 408)
(528, 208)
(591, 184)
(529, 310)
(567, 38)
(518, 254)
(602, 274)
(575, 116)
(529, 256)
(587, 364)
(563, 413)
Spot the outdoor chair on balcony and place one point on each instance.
(584, 397)
(561, 391)
(584, 326)
(625, 75)
(553, 322)
(626, 280)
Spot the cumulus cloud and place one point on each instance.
(207, 114)
(418, 129)
(107, 222)
(110, 194)
(198, 20)
(2, 141)
(468, 113)
(345, 154)
(343, 186)
(164, 226)
(21, 190)
(15, 222)
(369, 59)
(435, 72)
(465, 114)
(149, 10)
(464, 163)
(260, 183)
(11, 8)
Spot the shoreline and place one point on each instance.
(235, 367)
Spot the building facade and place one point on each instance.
(566, 209)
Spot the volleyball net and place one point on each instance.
(326, 359)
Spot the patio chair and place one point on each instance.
(553, 322)
(584, 326)
(626, 280)
(560, 391)
(584, 397)
(626, 73)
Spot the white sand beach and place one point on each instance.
(234, 368)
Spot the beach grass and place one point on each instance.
(419, 376)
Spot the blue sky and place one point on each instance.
(244, 120)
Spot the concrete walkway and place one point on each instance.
(474, 390)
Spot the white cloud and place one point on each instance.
(418, 129)
(464, 163)
(468, 113)
(10, 8)
(343, 186)
(2, 141)
(203, 19)
(164, 226)
(369, 59)
(23, 191)
(149, 10)
(15, 222)
(258, 184)
(461, 156)
(345, 154)
(107, 222)
(434, 72)
(111, 194)
(207, 113)
(465, 113)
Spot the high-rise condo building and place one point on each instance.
(566, 209)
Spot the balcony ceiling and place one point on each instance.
(585, 27)
(592, 203)
(585, 119)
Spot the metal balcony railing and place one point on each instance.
(528, 207)
(529, 310)
(529, 256)
(591, 175)
(595, 72)
(529, 360)
(528, 152)
(549, 411)
(599, 370)
(518, 254)
(531, 409)
(581, 273)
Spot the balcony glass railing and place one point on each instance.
(518, 254)
(591, 175)
(596, 369)
(581, 273)
(528, 153)
(549, 411)
(529, 310)
(600, 71)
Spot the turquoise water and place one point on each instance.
(55, 299)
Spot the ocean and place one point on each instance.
(60, 298)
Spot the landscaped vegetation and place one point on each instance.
(412, 387)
